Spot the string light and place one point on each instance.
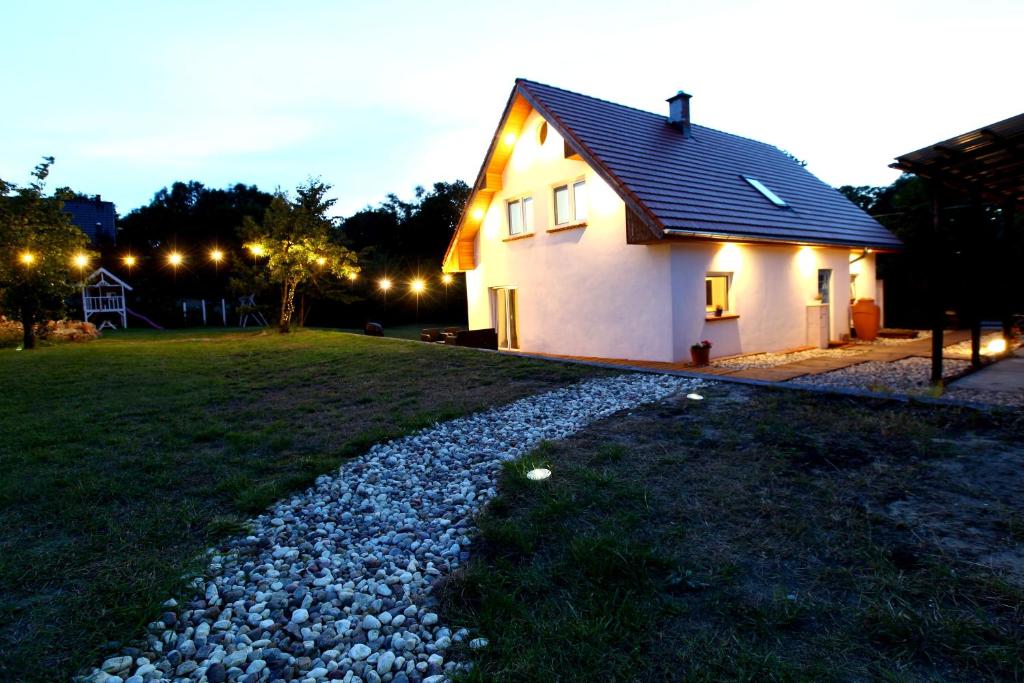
(257, 249)
(175, 259)
(28, 258)
(129, 261)
(447, 279)
(384, 284)
(352, 275)
(321, 261)
(81, 260)
(216, 255)
(417, 286)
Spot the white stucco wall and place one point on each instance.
(771, 288)
(585, 292)
(580, 292)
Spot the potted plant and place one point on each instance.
(701, 353)
(718, 311)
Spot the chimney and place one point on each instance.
(679, 112)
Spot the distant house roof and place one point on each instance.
(94, 216)
(694, 184)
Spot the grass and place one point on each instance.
(125, 458)
(756, 536)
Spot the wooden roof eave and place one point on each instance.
(480, 186)
(680, 235)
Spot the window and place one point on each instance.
(542, 132)
(716, 291)
(571, 203)
(520, 216)
(763, 189)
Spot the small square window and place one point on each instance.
(562, 209)
(579, 200)
(520, 215)
(515, 217)
(716, 292)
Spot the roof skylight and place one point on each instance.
(763, 189)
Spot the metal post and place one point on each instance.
(223, 313)
(184, 311)
(937, 299)
(203, 302)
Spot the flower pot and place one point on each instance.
(701, 355)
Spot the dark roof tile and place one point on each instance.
(696, 183)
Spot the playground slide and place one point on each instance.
(143, 319)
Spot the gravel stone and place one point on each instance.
(336, 582)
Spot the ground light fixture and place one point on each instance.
(695, 397)
(996, 346)
(538, 474)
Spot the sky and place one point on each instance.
(378, 97)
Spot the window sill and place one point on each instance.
(724, 316)
(520, 236)
(570, 226)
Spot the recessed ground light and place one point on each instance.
(996, 346)
(695, 397)
(538, 474)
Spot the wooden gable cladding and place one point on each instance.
(460, 255)
(638, 230)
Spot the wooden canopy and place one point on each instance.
(986, 163)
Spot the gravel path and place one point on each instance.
(771, 360)
(335, 583)
(903, 376)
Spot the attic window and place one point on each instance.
(542, 132)
(763, 189)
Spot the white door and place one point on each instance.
(505, 313)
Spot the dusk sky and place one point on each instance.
(379, 97)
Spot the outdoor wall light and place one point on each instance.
(538, 474)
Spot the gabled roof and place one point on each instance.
(106, 279)
(683, 185)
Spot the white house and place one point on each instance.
(599, 230)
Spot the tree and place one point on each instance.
(297, 239)
(38, 248)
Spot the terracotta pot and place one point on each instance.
(865, 319)
(701, 355)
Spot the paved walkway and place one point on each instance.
(1006, 375)
(811, 366)
(858, 354)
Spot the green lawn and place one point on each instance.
(124, 458)
(758, 535)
